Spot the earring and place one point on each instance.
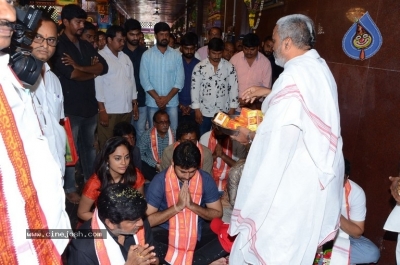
(107, 168)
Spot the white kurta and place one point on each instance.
(48, 98)
(45, 173)
(290, 193)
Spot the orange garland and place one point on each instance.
(217, 171)
(182, 226)
(154, 143)
(100, 245)
(347, 189)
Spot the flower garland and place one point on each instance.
(252, 11)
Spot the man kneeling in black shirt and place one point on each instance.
(116, 234)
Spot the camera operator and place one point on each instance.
(31, 195)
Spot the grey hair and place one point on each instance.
(299, 28)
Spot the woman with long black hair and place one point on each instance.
(114, 165)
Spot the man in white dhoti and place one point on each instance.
(289, 197)
(31, 194)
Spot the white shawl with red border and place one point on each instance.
(290, 193)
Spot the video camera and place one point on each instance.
(26, 67)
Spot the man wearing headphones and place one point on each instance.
(31, 192)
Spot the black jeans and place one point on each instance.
(207, 250)
(148, 171)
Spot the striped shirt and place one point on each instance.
(144, 145)
(161, 72)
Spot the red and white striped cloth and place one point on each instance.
(183, 227)
(108, 251)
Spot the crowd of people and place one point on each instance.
(163, 184)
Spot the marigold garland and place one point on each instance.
(252, 9)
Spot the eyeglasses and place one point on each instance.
(50, 41)
(163, 122)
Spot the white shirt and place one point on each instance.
(44, 171)
(357, 203)
(48, 98)
(214, 91)
(117, 88)
(357, 212)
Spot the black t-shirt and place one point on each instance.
(81, 250)
(136, 57)
(79, 96)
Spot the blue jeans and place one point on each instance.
(205, 126)
(83, 134)
(362, 250)
(140, 124)
(172, 113)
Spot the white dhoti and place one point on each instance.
(290, 193)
